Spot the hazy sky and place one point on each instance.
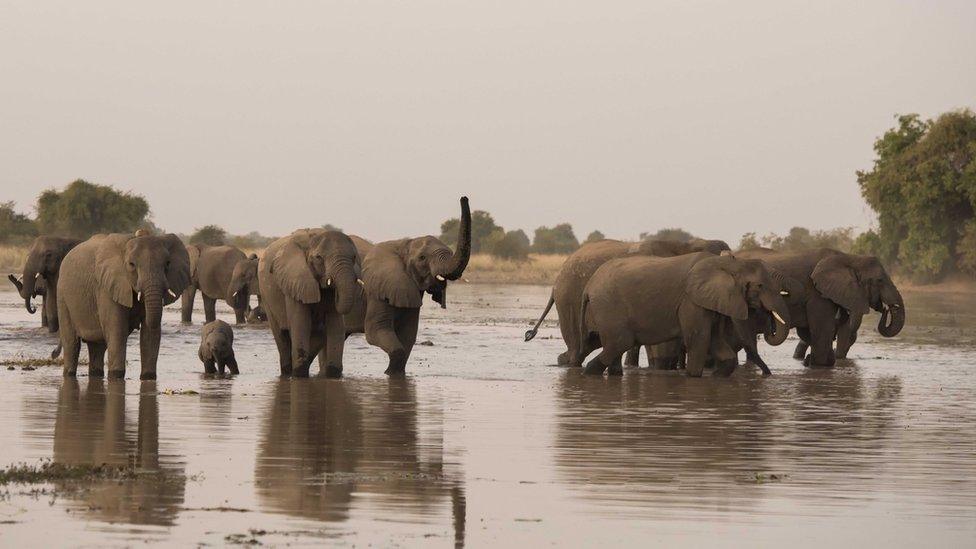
(375, 116)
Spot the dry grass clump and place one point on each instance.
(12, 259)
(538, 269)
(49, 471)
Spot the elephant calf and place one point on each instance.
(217, 347)
(691, 298)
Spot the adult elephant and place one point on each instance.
(308, 280)
(839, 289)
(40, 276)
(691, 298)
(576, 271)
(220, 272)
(111, 284)
(396, 274)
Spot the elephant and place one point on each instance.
(217, 347)
(40, 276)
(257, 315)
(838, 290)
(579, 268)
(112, 284)
(220, 272)
(396, 274)
(642, 300)
(307, 281)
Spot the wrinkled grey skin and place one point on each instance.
(220, 273)
(112, 284)
(642, 300)
(217, 347)
(579, 268)
(308, 280)
(396, 274)
(40, 276)
(839, 289)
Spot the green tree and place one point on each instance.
(482, 225)
(749, 242)
(212, 235)
(557, 240)
(15, 228)
(671, 233)
(923, 188)
(595, 236)
(510, 245)
(83, 209)
(331, 227)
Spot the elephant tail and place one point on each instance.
(529, 334)
(582, 334)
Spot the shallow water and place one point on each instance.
(486, 443)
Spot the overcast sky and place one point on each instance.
(375, 116)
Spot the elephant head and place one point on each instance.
(738, 289)
(400, 271)
(43, 260)
(793, 294)
(314, 261)
(151, 270)
(857, 282)
(671, 248)
(243, 282)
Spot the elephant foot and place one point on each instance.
(801, 351)
(116, 374)
(615, 370)
(333, 372)
(725, 368)
(145, 376)
(96, 372)
(563, 359)
(300, 372)
(396, 372)
(595, 368)
(664, 363)
(809, 362)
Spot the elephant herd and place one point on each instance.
(697, 303)
(689, 304)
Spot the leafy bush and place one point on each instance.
(595, 236)
(211, 235)
(510, 245)
(557, 240)
(672, 233)
(482, 226)
(15, 228)
(83, 209)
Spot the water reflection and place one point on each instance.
(94, 427)
(332, 446)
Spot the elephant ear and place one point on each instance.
(110, 268)
(193, 252)
(386, 278)
(289, 269)
(712, 286)
(836, 280)
(179, 272)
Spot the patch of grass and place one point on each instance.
(12, 260)
(538, 269)
(49, 471)
(33, 362)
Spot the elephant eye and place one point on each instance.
(423, 257)
(132, 265)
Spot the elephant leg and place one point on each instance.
(232, 364)
(407, 324)
(335, 341)
(240, 315)
(820, 316)
(607, 359)
(71, 347)
(590, 345)
(51, 304)
(210, 366)
(96, 358)
(696, 329)
(803, 345)
(632, 359)
(724, 357)
(664, 356)
(282, 341)
(44, 312)
(380, 328)
(115, 329)
(210, 308)
(300, 330)
(563, 359)
(847, 335)
(186, 304)
(616, 366)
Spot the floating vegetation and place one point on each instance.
(49, 471)
(178, 392)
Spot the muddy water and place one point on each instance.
(486, 443)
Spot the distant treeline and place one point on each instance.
(922, 187)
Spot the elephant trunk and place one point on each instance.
(51, 303)
(893, 306)
(346, 288)
(454, 268)
(780, 313)
(149, 333)
(31, 270)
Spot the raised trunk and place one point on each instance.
(459, 261)
(893, 307)
(149, 334)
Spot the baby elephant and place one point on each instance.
(217, 347)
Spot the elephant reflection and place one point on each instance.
(94, 427)
(326, 443)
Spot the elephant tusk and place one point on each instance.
(361, 283)
(328, 282)
(784, 292)
(441, 278)
(778, 318)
